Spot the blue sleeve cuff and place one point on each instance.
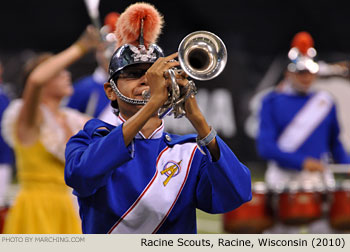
(204, 150)
(207, 153)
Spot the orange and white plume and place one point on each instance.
(129, 24)
(303, 41)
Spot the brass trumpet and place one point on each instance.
(202, 56)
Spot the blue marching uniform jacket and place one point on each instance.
(108, 177)
(278, 110)
(89, 96)
(6, 153)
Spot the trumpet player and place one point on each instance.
(134, 177)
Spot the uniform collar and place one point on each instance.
(157, 133)
(287, 88)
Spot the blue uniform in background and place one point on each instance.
(89, 96)
(294, 127)
(277, 112)
(7, 158)
(111, 179)
(6, 153)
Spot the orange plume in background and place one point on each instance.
(111, 20)
(303, 41)
(129, 24)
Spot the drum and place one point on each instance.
(3, 213)
(252, 217)
(339, 210)
(300, 203)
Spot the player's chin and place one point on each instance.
(302, 88)
(305, 88)
(138, 107)
(68, 91)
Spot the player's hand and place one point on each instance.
(90, 39)
(313, 165)
(157, 80)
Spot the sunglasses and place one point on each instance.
(132, 73)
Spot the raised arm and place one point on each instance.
(199, 122)
(225, 183)
(29, 116)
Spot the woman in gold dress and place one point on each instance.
(38, 128)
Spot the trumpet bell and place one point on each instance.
(202, 55)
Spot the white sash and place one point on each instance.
(305, 121)
(150, 210)
(294, 135)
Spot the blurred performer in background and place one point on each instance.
(38, 129)
(6, 155)
(135, 178)
(299, 131)
(89, 96)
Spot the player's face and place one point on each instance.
(60, 85)
(131, 82)
(302, 81)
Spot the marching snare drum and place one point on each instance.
(300, 203)
(252, 217)
(339, 213)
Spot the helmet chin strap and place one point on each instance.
(124, 98)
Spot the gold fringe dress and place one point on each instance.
(44, 204)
